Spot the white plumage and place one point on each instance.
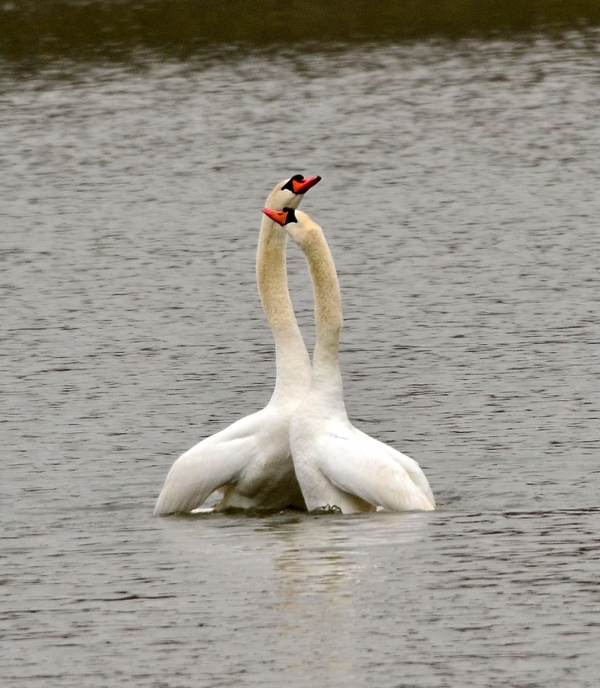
(250, 461)
(336, 464)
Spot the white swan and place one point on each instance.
(250, 461)
(336, 464)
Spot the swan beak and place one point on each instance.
(306, 184)
(278, 216)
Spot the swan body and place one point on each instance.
(250, 462)
(336, 464)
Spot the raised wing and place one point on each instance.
(355, 463)
(216, 461)
(410, 466)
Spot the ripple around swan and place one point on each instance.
(459, 198)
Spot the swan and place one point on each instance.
(250, 461)
(337, 465)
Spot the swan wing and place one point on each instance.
(214, 462)
(355, 463)
(410, 466)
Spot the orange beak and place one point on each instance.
(278, 216)
(305, 185)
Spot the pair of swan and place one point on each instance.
(334, 465)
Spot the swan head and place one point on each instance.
(296, 223)
(289, 192)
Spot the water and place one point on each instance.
(459, 197)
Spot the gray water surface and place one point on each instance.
(460, 200)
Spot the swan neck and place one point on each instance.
(326, 376)
(292, 361)
(328, 299)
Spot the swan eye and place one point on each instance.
(289, 185)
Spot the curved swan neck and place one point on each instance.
(326, 377)
(292, 361)
(326, 288)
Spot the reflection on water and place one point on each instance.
(315, 562)
(314, 584)
(317, 576)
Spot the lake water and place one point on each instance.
(460, 200)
